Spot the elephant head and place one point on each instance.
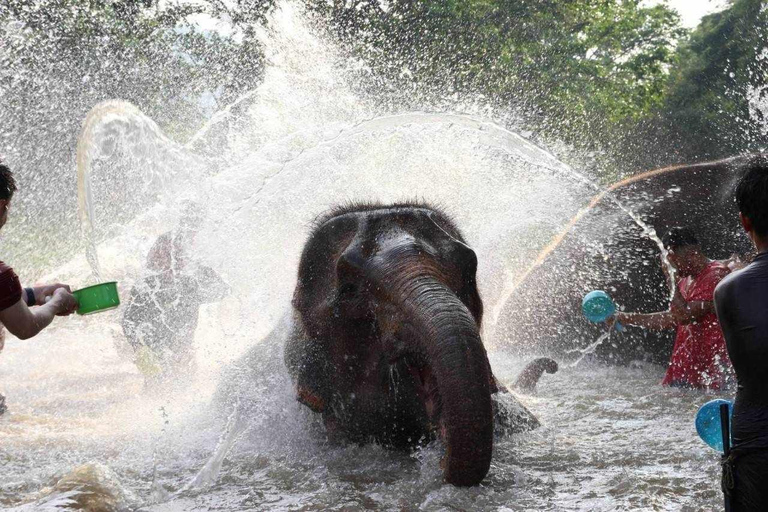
(386, 341)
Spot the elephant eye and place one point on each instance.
(347, 289)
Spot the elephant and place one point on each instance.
(385, 339)
(607, 246)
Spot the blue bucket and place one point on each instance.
(598, 307)
(708, 422)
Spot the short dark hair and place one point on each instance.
(7, 183)
(752, 194)
(678, 237)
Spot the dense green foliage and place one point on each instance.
(718, 71)
(610, 76)
(576, 67)
(617, 78)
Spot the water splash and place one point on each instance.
(154, 164)
(590, 349)
(609, 193)
(237, 426)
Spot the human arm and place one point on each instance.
(655, 321)
(40, 293)
(661, 320)
(24, 323)
(694, 310)
(736, 262)
(680, 312)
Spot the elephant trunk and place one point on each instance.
(447, 339)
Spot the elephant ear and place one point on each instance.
(607, 247)
(310, 397)
(308, 363)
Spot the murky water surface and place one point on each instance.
(612, 439)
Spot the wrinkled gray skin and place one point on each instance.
(385, 337)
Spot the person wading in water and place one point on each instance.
(16, 303)
(741, 301)
(699, 358)
(162, 310)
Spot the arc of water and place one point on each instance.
(99, 116)
(102, 114)
(105, 111)
(403, 119)
(531, 157)
(604, 193)
(84, 159)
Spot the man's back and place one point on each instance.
(741, 300)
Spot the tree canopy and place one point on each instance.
(719, 75)
(618, 79)
(581, 70)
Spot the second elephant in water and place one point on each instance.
(385, 340)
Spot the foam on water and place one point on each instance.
(306, 143)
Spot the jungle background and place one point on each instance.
(620, 83)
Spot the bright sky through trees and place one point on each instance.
(691, 11)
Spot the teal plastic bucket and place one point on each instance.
(598, 307)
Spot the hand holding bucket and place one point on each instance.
(598, 307)
(709, 425)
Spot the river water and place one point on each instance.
(83, 432)
(612, 439)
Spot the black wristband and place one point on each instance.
(30, 296)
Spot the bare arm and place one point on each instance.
(680, 312)
(24, 323)
(655, 321)
(694, 311)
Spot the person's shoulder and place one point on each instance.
(730, 281)
(7, 274)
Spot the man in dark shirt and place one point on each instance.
(741, 301)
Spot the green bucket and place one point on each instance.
(99, 297)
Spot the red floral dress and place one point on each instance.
(699, 356)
